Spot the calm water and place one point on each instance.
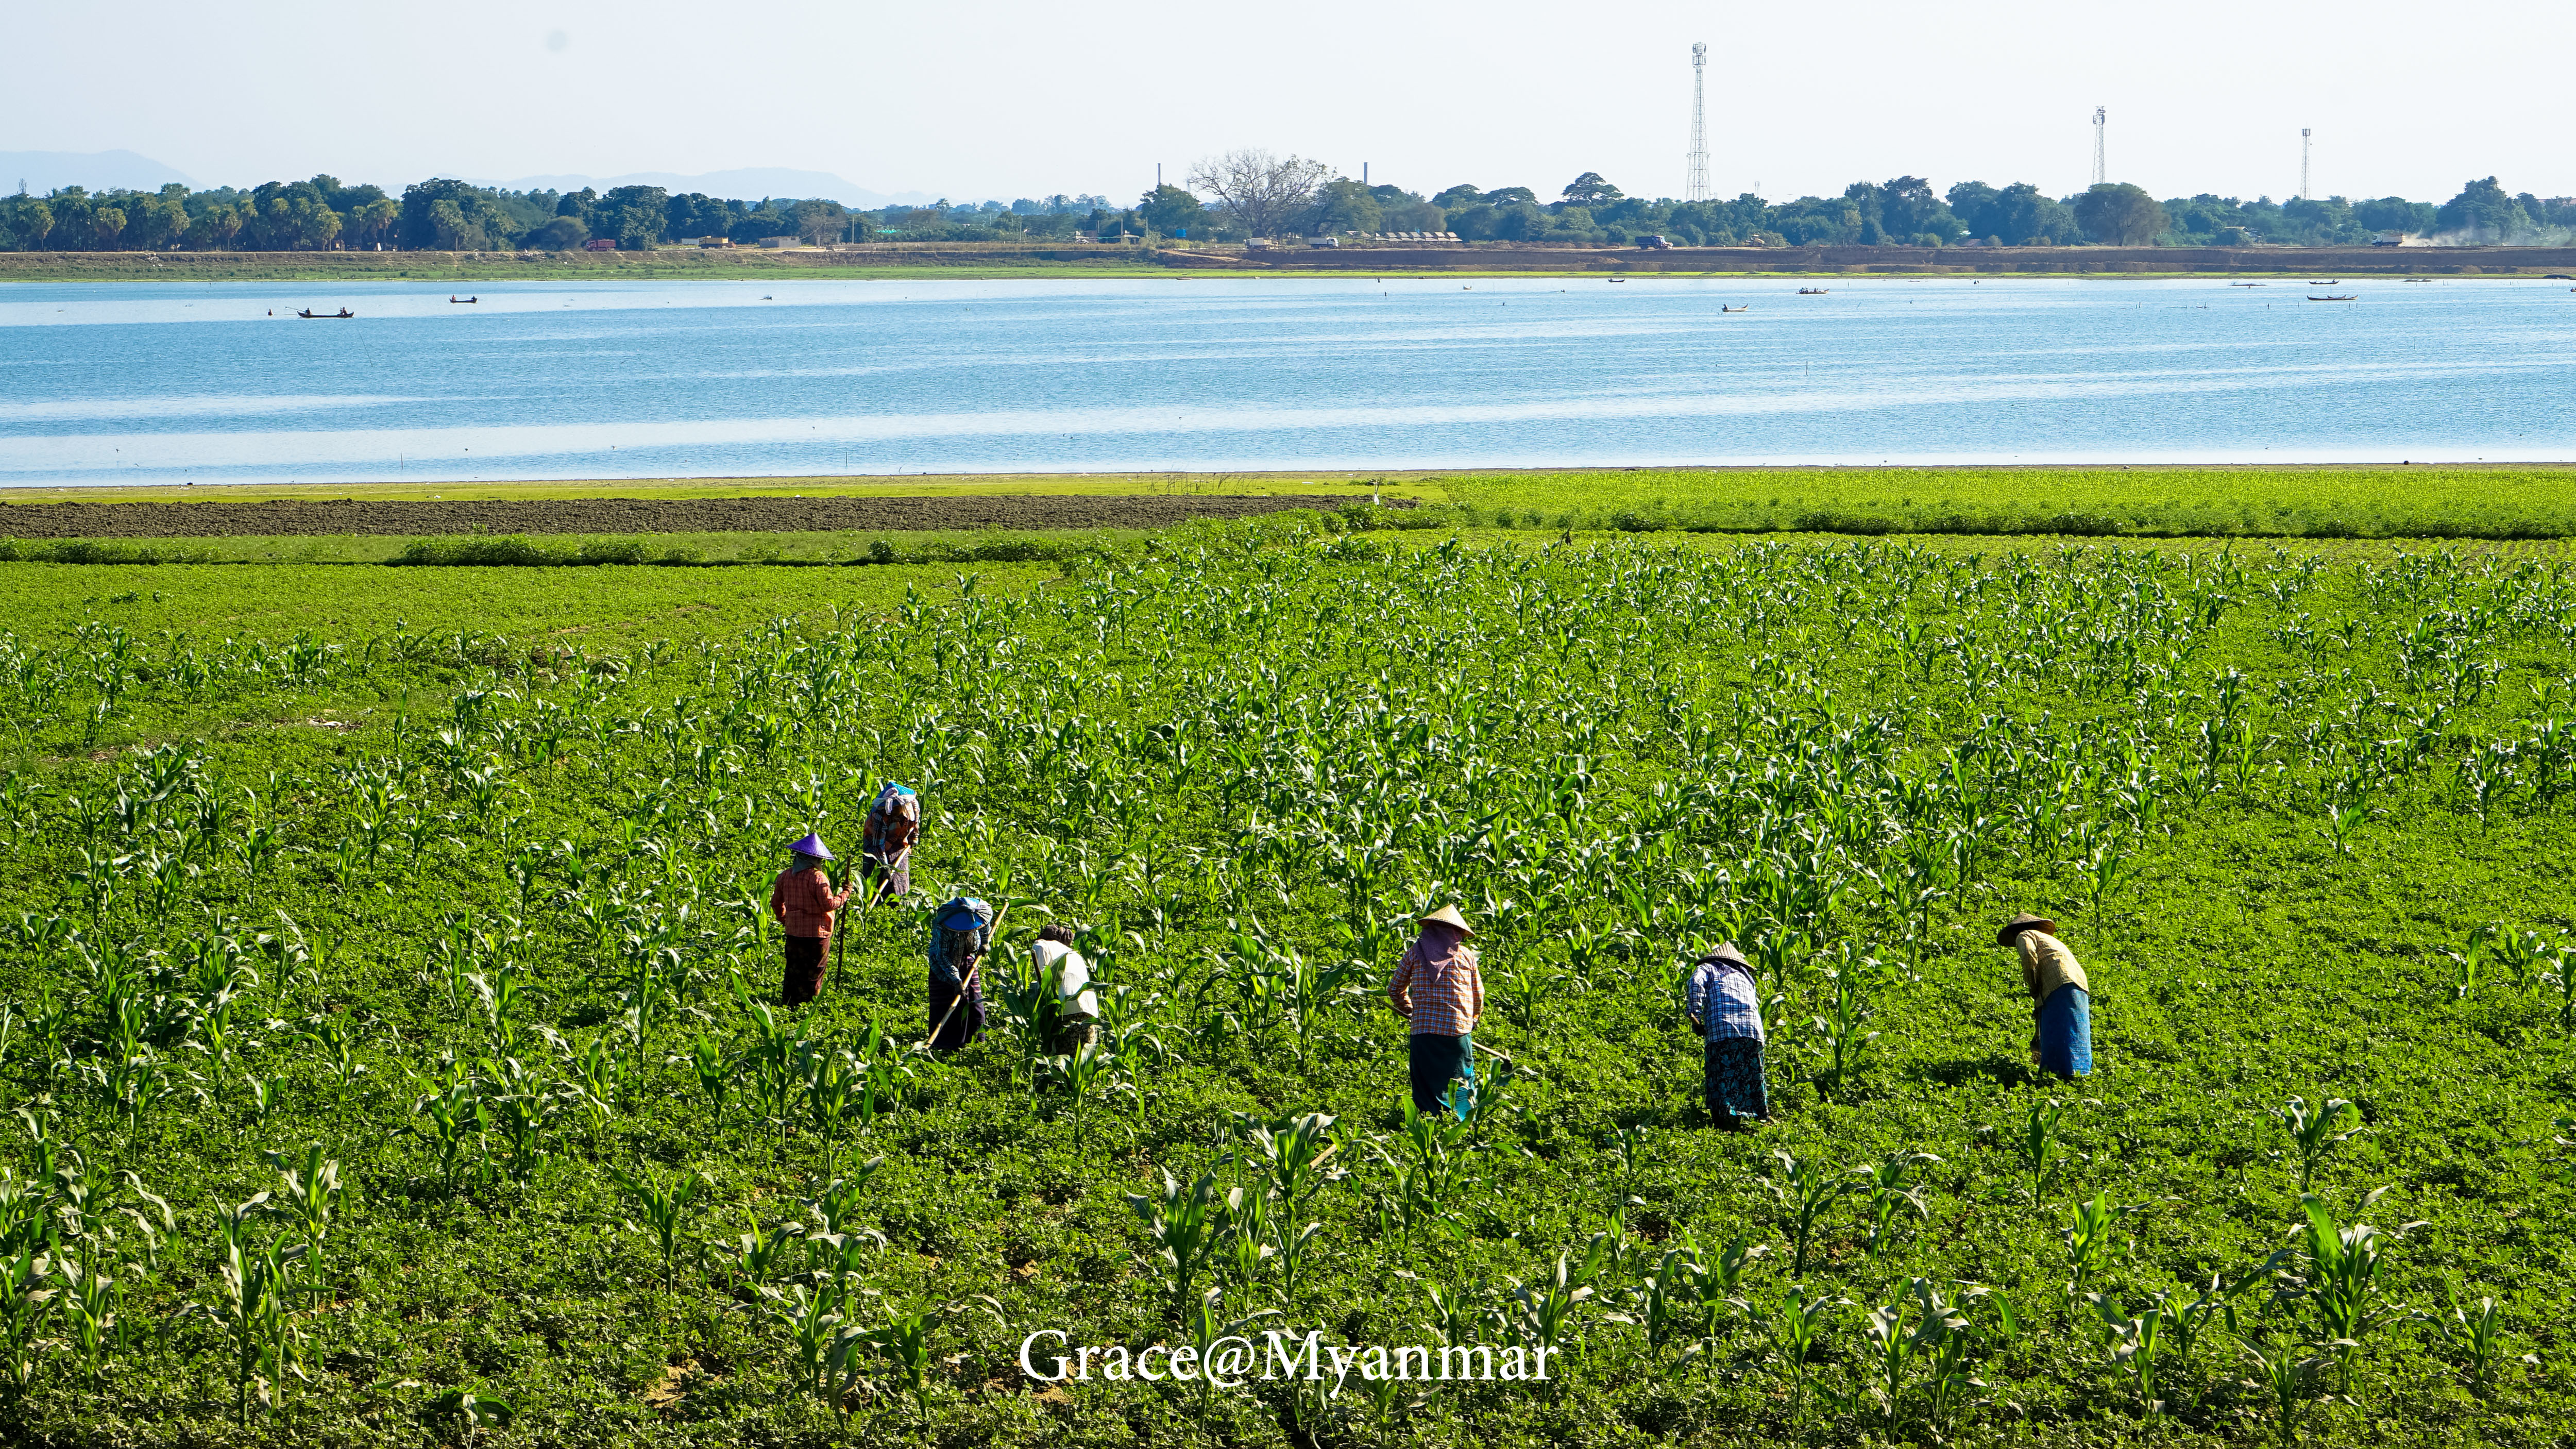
(124, 382)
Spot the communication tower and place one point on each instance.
(2101, 168)
(2304, 133)
(1695, 187)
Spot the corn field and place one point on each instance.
(392, 1049)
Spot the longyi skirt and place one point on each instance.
(1732, 1066)
(2066, 1032)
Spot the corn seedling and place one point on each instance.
(1892, 1198)
(2039, 1146)
(1794, 1325)
(2338, 1279)
(2313, 1132)
(2288, 1380)
(663, 1204)
(1182, 1223)
(1805, 1193)
(2475, 1338)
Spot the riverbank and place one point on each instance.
(983, 262)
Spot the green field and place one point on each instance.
(439, 889)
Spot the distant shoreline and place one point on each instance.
(998, 262)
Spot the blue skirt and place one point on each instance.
(1436, 1061)
(2066, 1032)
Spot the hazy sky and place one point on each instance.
(1006, 98)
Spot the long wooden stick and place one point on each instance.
(852, 923)
(963, 986)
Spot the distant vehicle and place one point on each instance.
(1324, 241)
(705, 242)
(1256, 244)
(600, 244)
(1653, 244)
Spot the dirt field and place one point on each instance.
(387, 517)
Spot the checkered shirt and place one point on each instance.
(1724, 1000)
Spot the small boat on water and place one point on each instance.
(326, 316)
(1747, 307)
(2345, 297)
(1618, 279)
(462, 301)
(2337, 282)
(1814, 291)
(2249, 284)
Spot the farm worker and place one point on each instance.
(961, 934)
(804, 902)
(1077, 1007)
(894, 824)
(1726, 1010)
(1438, 987)
(2061, 1037)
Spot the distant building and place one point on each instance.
(715, 241)
(778, 243)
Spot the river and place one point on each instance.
(115, 383)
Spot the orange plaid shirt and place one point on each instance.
(1442, 991)
(804, 902)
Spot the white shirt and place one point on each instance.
(1071, 974)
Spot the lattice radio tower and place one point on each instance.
(2101, 167)
(2304, 133)
(1695, 187)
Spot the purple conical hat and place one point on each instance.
(812, 845)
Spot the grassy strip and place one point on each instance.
(2448, 502)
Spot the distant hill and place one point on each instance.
(44, 171)
(750, 184)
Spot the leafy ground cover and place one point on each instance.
(390, 1064)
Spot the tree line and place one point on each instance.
(1246, 194)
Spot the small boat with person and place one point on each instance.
(1814, 291)
(310, 314)
(462, 301)
(2345, 297)
(1747, 307)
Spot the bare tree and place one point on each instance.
(1264, 192)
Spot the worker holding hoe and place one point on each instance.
(1061, 969)
(2061, 1037)
(805, 904)
(1725, 1008)
(1439, 988)
(885, 846)
(961, 936)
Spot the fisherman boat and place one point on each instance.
(1814, 291)
(1747, 307)
(462, 301)
(1618, 279)
(325, 316)
(2247, 284)
(2345, 297)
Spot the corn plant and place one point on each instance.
(2314, 1132)
(311, 1197)
(663, 1204)
(903, 1342)
(1247, 1213)
(257, 1281)
(1089, 1072)
(457, 1117)
(2137, 1341)
(1183, 1226)
(2475, 1338)
(2091, 1236)
(1541, 1314)
(1920, 1326)
(1892, 1197)
(2288, 1380)
(1805, 1192)
(1295, 1152)
(714, 1072)
(25, 1303)
(1794, 1325)
(2338, 1279)
(2039, 1145)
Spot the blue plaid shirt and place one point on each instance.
(1724, 1000)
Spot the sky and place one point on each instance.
(1006, 98)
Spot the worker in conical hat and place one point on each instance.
(1725, 1009)
(2061, 1000)
(1440, 990)
(805, 904)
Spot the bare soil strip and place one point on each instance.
(388, 517)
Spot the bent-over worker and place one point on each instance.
(1725, 1009)
(961, 934)
(1062, 971)
(885, 845)
(805, 904)
(1439, 988)
(2061, 1001)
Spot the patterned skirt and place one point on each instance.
(2066, 1032)
(1733, 1069)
